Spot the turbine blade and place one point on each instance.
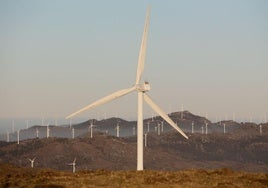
(74, 160)
(142, 54)
(158, 110)
(106, 99)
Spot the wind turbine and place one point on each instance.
(37, 133)
(158, 128)
(72, 133)
(48, 130)
(145, 139)
(117, 129)
(141, 88)
(32, 162)
(148, 124)
(192, 127)
(73, 164)
(260, 129)
(18, 136)
(91, 129)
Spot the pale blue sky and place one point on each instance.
(57, 56)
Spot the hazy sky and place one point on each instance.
(58, 56)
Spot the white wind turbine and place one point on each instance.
(72, 133)
(145, 139)
(18, 136)
(158, 128)
(91, 129)
(117, 129)
(148, 126)
(73, 164)
(37, 133)
(162, 126)
(32, 162)
(48, 130)
(141, 88)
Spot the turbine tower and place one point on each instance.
(91, 129)
(73, 164)
(18, 136)
(32, 162)
(117, 129)
(37, 133)
(72, 133)
(145, 139)
(141, 88)
(48, 130)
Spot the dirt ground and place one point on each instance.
(12, 176)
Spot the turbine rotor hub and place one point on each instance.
(143, 87)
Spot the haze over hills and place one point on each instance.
(184, 119)
(242, 147)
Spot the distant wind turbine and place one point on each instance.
(91, 129)
(72, 133)
(48, 131)
(32, 162)
(37, 133)
(192, 127)
(117, 129)
(145, 139)
(148, 128)
(18, 136)
(141, 89)
(73, 165)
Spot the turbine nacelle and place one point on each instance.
(143, 87)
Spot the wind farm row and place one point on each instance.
(118, 127)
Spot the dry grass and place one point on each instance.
(11, 176)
